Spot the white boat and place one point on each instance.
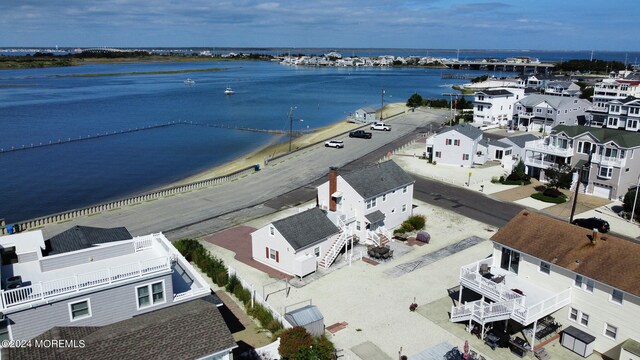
(189, 82)
(229, 91)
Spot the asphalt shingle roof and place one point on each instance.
(83, 237)
(189, 330)
(520, 140)
(377, 179)
(496, 92)
(306, 228)
(555, 101)
(610, 260)
(467, 130)
(624, 139)
(375, 216)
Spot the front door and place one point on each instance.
(498, 154)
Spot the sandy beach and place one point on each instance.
(280, 146)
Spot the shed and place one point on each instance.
(309, 317)
(578, 341)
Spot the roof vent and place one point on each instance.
(526, 213)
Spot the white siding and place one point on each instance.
(453, 154)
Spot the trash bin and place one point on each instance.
(10, 229)
(256, 167)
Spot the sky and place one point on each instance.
(421, 24)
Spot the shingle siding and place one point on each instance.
(107, 306)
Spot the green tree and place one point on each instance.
(587, 93)
(629, 198)
(559, 176)
(293, 340)
(414, 101)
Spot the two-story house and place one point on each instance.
(613, 89)
(361, 205)
(495, 106)
(623, 114)
(456, 145)
(542, 112)
(508, 150)
(87, 281)
(540, 266)
(608, 159)
(562, 88)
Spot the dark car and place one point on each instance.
(593, 223)
(360, 134)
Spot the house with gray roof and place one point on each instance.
(94, 281)
(562, 88)
(540, 113)
(456, 145)
(608, 159)
(294, 245)
(495, 106)
(191, 330)
(365, 115)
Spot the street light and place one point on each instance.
(381, 105)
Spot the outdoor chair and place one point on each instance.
(484, 269)
(498, 279)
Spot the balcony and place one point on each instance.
(608, 161)
(515, 297)
(525, 114)
(543, 147)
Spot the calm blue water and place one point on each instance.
(43, 105)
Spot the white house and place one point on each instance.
(369, 201)
(362, 205)
(457, 145)
(495, 106)
(537, 112)
(296, 244)
(624, 114)
(614, 89)
(541, 267)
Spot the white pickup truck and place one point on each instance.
(380, 126)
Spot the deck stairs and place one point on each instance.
(336, 247)
(483, 312)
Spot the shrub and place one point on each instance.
(232, 283)
(417, 221)
(293, 340)
(629, 198)
(554, 193)
(548, 199)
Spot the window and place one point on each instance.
(538, 110)
(404, 207)
(316, 251)
(465, 156)
(632, 124)
(358, 228)
(609, 152)
(545, 267)
(510, 260)
(80, 310)
(573, 314)
(578, 281)
(456, 142)
(151, 294)
(371, 203)
(273, 254)
(272, 230)
(448, 142)
(404, 189)
(384, 197)
(605, 172)
(438, 154)
(584, 319)
(585, 147)
(610, 331)
(617, 296)
(589, 285)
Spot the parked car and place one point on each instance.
(593, 223)
(380, 126)
(360, 134)
(338, 144)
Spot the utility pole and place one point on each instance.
(381, 104)
(450, 105)
(635, 199)
(291, 125)
(575, 195)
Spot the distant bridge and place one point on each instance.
(500, 66)
(145, 128)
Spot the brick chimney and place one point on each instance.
(333, 187)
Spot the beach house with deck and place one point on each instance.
(456, 145)
(541, 267)
(88, 277)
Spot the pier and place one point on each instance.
(69, 140)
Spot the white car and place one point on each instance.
(338, 144)
(380, 126)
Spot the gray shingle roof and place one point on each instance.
(83, 237)
(375, 216)
(624, 139)
(520, 140)
(467, 130)
(306, 228)
(377, 179)
(555, 101)
(496, 92)
(189, 330)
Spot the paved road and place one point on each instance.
(203, 211)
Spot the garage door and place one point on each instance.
(602, 191)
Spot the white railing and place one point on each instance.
(337, 245)
(526, 114)
(48, 289)
(541, 146)
(548, 306)
(384, 231)
(482, 311)
(142, 243)
(373, 236)
(608, 160)
(470, 277)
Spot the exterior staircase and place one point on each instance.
(337, 246)
(483, 312)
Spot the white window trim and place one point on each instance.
(88, 300)
(615, 302)
(548, 268)
(604, 331)
(582, 314)
(272, 230)
(273, 254)
(577, 315)
(151, 303)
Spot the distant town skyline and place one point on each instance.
(428, 24)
